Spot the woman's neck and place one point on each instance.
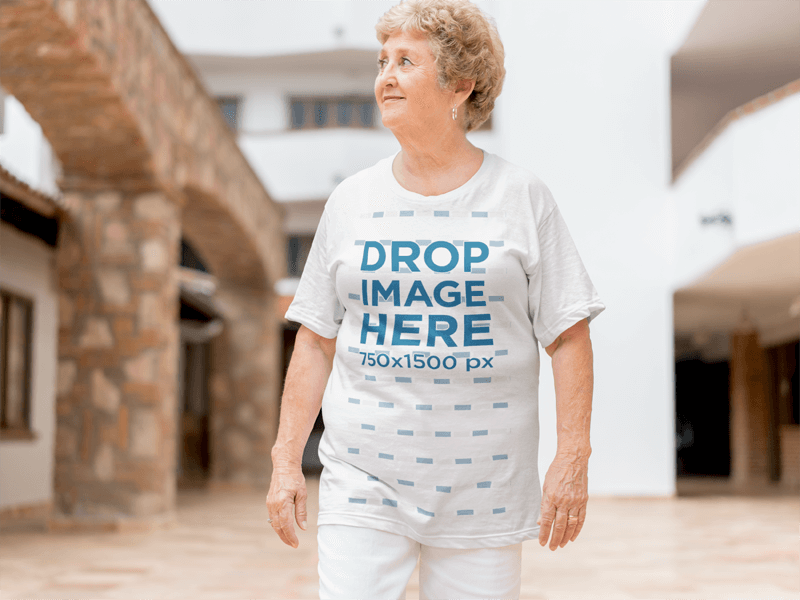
(435, 165)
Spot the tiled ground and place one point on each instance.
(699, 547)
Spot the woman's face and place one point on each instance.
(406, 88)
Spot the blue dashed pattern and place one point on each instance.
(482, 380)
(357, 500)
(497, 243)
(424, 407)
(461, 354)
(424, 242)
(463, 461)
(405, 432)
(361, 242)
(443, 488)
(372, 478)
(354, 401)
(405, 482)
(466, 511)
(367, 426)
(424, 461)
(385, 404)
(370, 377)
(387, 502)
(480, 213)
(442, 434)
(352, 451)
(497, 511)
(480, 432)
(406, 213)
(463, 407)
(377, 215)
(354, 296)
(403, 379)
(501, 352)
(500, 405)
(500, 457)
(422, 511)
(386, 456)
(484, 484)
(441, 381)
(441, 213)
(496, 298)
(477, 270)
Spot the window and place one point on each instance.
(16, 325)
(297, 253)
(325, 112)
(230, 107)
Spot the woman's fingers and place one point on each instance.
(300, 508)
(286, 525)
(546, 518)
(579, 524)
(285, 502)
(559, 528)
(572, 525)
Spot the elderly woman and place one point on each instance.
(432, 277)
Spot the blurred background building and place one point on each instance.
(159, 201)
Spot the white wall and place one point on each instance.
(751, 171)
(24, 151)
(26, 467)
(586, 107)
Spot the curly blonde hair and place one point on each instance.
(464, 42)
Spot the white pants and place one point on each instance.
(358, 563)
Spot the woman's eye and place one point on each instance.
(404, 61)
(381, 64)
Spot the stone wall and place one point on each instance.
(118, 348)
(246, 361)
(790, 456)
(749, 395)
(131, 110)
(146, 158)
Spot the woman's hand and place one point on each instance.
(286, 502)
(564, 496)
(306, 379)
(565, 491)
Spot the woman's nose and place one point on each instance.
(387, 76)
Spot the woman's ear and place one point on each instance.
(464, 88)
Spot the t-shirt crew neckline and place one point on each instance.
(460, 191)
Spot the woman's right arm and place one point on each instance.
(306, 379)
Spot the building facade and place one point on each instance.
(143, 160)
(644, 156)
(680, 194)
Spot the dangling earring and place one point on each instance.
(455, 111)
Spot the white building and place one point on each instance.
(686, 214)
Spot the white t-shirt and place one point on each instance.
(431, 410)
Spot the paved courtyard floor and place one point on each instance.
(221, 547)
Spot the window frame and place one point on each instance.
(311, 103)
(25, 432)
(238, 101)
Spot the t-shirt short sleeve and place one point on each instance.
(315, 303)
(560, 293)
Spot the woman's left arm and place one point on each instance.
(565, 490)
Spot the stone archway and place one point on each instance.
(145, 154)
